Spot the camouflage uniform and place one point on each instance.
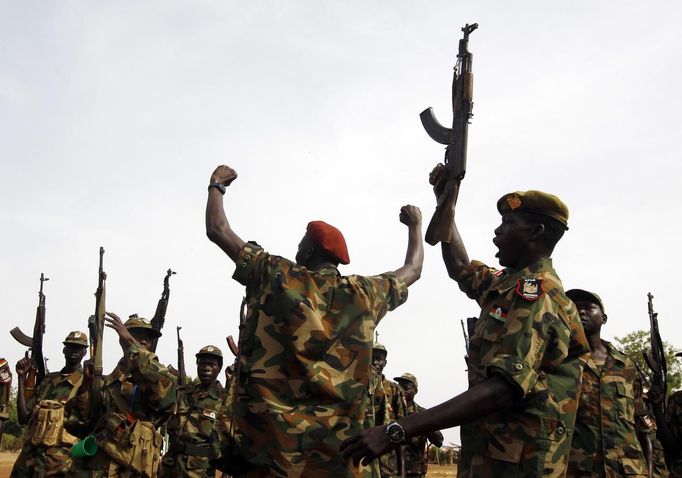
(414, 451)
(673, 416)
(139, 389)
(42, 460)
(385, 404)
(189, 430)
(300, 387)
(605, 442)
(529, 334)
(5, 387)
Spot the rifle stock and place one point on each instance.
(161, 307)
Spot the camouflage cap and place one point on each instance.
(536, 202)
(76, 338)
(407, 377)
(378, 346)
(211, 350)
(579, 294)
(136, 322)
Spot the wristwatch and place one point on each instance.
(395, 433)
(218, 186)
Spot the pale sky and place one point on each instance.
(114, 115)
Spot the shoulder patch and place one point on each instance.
(529, 289)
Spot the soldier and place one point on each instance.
(190, 428)
(525, 358)
(47, 445)
(670, 427)
(605, 440)
(5, 388)
(305, 344)
(414, 451)
(135, 400)
(386, 404)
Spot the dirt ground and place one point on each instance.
(7, 460)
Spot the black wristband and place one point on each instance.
(218, 186)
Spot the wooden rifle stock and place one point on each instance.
(96, 329)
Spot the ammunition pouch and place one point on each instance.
(47, 425)
(135, 445)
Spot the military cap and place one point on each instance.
(76, 338)
(678, 354)
(536, 202)
(378, 346)
(136, 322)
(578, 294)
(407, 377)
(211, 350)
(329, 239)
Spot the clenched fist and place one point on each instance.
(410, 215)
(223, 175)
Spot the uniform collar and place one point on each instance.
(509, 277)
(74, 378)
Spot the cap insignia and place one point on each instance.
(514, 201)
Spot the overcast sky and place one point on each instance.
(114, 115)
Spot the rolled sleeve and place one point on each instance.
(384, 292)
(475, 279)
(515, 371)
(248, 263)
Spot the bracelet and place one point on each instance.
(218, 186)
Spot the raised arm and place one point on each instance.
(411, 216)
(455, 254)
(218, 228)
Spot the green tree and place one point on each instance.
(14, 432)
(635, 343)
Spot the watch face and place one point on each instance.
(395, 433)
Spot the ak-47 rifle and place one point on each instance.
(655, 357)
(455, 138)
(182, 374)
(96, 329)
(35, 343)
(161, 307)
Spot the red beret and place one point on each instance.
(329, 239)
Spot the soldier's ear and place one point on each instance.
(604, 317)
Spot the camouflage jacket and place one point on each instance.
(414, 451)
(190, 427)
(605, 442)
(303, 370)
(139, 388)
(673, 417)
(386, 403)
(529, 334)
(53, 460)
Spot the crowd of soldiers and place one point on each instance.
(307, 397)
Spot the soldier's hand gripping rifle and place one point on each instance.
(182, 374)
(34, 343)
(655, 357)
(161, 307)
(455, 138)
(96, 329)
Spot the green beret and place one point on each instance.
(583, 295)
(136, 322)
(211, 350)
(76, 338)
(535, 202)
(407, 377)
(378, 346)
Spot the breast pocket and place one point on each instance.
(625, 401)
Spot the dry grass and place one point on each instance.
(438, 471)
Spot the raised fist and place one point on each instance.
(410, 215)
(223, 175)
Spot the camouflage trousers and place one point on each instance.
(37, 461)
